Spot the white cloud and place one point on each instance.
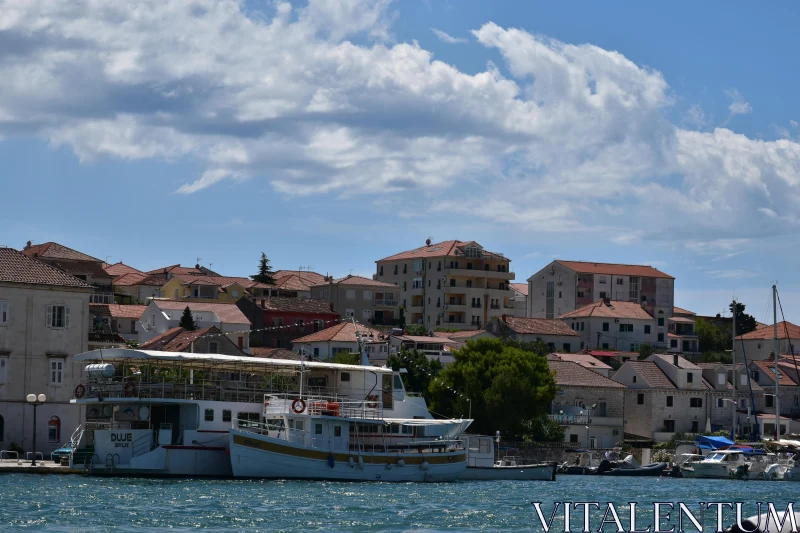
(696, 117)
(447, 38)
(738, 105)
(732, 274)
(318, 100)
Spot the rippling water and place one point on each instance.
(77, 504)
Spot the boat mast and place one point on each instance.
(733, 375)
(361, 345)
(775, 350)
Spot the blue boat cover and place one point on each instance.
(712, 443)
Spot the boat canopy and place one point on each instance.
(219, 362)
(712, 443)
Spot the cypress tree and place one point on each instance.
(187, 320)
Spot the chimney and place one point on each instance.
(428, 241)
(771, 356)
(607, 301)
(28, 244)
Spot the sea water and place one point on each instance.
(77, 503)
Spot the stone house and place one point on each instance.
(558, 335)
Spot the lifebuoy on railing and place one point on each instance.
(298, 405)
(129, 389)
(80, 390)
(372, 401)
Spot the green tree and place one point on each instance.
(420, 370)
(545, 429)
(537, 347)
(645, 351)
(402, 318)
(417, 329)
(187, 320)
(744, 323)
(265, 274)
(508, 387)
(346, 358)
(711, 338)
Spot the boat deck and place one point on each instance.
(12, 466)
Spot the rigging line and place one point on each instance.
(788, 339)
(749, 386)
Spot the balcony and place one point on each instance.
(383, 302)
(583, 420)
(478, 273)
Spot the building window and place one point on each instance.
(226, 415)
(660, 337)
(669, 426)
(3, 370)
(673, 343)
(350, 294)
(769, 400)
(235, 293)
(54, 429)
(754, 375)
(605, 326)
(634, 379)
(367, 295)
(582, 325)
(721, 379)
(620, 281)
(669, 401)
(605, 346)
(640, 399)
(299, 322)
(580, 294)
(573, 437)
(3, 313)
(58, 316)
(319, 325)
(602, 295)
(366, 314)
(349, 313)
(661, 321)
(56, 371)
(277, 321)
(626, 328)
(395, 269)
(418, 265)
(213, 347)
(567, 348)
(689, 377)
(695, 426)
(602, 280)
(647, 329)
(720, 402)
(209, 416)
(380, 271)
(405, 268)
(695, 403)
(316, 352)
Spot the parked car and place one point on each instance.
(66, 449)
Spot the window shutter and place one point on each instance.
(49, 319)
(66, 316)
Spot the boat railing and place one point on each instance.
(370, 408)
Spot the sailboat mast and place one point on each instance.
(733, 375)
(775, 350)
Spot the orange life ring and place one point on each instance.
(129, 389)
(80, 390)
(298, 405)
(373, 401)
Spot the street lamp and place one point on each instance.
(35, 401)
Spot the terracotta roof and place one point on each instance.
(129, 279)
(360, 281)
(614, 269)
(583, 359)
(296, 305)
(53, 250)
(766, 333)
(440, 249)
(292, 282)
(228, 313)
(177, 270)
(119, 311)
(651, 374)
(709, 365)
(120, 268)
(570, 374)
(308, 277)
(521, 288)
(179, 339)
(18, 268)
(681, 320)
(160, 340)
(768, 368)
(616, 309)
(418, 339)
(343, 332)
(680, 311)
(610, 353)
(460, 335)
(276, 353)
(538, 326)
(682, 362)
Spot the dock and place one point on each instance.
(12, 466)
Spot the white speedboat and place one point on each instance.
(734, 462)
(481, 464)
(787, 468)
(684, 464)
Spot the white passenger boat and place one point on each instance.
(482, 465)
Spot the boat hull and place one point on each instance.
(259, 456)
(712, 471)
(653, 470)
(520, 473)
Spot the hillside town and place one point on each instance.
(626, 359)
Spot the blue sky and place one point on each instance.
(336, 132)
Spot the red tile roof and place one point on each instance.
(360, 281)
(569, 374)
(521, 288)
(306, 276)
(616, 309)
(651, 374)
(680, 311)
(177, 270)
(53, 250)
(227, 313)
(420, 339)
(18, 268)
(766, 333)
(614, 269)
(538, 326)
(461, 335)
(296, 305)
(119, 311)
(129, 279)
(440, 249)
(343, 332)
(179, 339)
(583, 359)
(276, 353)
(768, 368)
(120, 268)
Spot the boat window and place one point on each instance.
(291, 423)
(337, 431)
(398, 383)
(317, 429)
(318, 382)
(394, 429)
(299, 425)
(226, 415)
(209, 415)
(248, 419)
(407, 430)
(345, 376)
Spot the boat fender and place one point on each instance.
(389, 466)
(400, 462)
(331, 461)
(424, 465)
(298, 405)
(350, 462)
(361, 462)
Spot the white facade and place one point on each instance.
(156, 321)
(623, 334)
(41, 329)
(760, 349)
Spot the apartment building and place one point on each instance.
(453, 284)
(759, 344)
(616, 325)
(366, 300)
(564, 286)
(44, 320)
(682, 336)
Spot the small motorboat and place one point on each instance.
(482, 466)
(630, 467)
(683, 465)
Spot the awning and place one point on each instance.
(712, 443)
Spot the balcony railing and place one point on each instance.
(384, 302)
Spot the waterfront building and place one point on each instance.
(286, 319)
(616, 325)
(758, 344)
(556, 333)
(325, 344)
(77, 264)
(44, 320)
(452, 284)
(367, 300)
(585, 360)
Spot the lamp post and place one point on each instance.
(589, 420)
(35, 401)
